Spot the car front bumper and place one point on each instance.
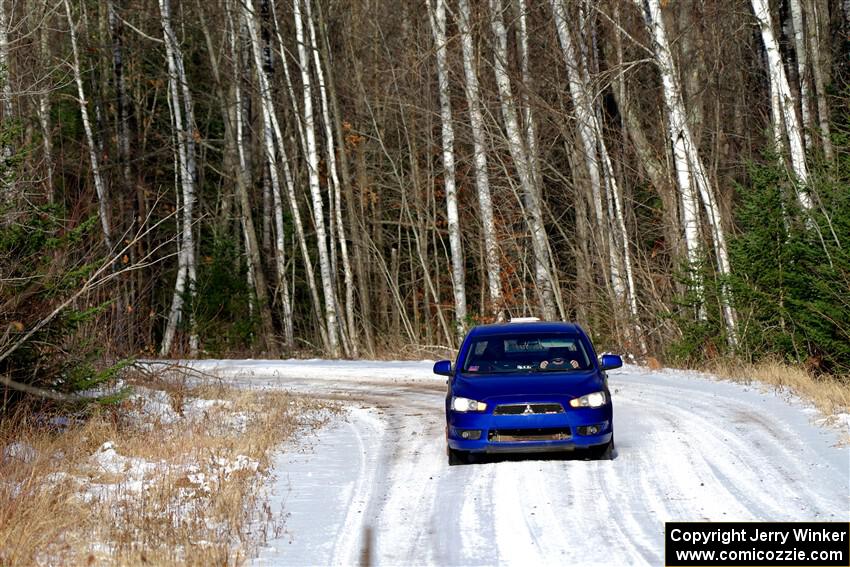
(529, 433)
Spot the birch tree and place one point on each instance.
(116, 29)
(802, 56)
(600, 171)
(43, 108)
(6, 151)
(100, 186)
(482, 177)
(289, 184)
(690, 172)
(234, 121)
(782, 90)
(335, 187)
(437, 17)
(315, 189)
(271, 152)
(356, 229)
(182, 112)
(519, 155)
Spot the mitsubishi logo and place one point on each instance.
(528, 409)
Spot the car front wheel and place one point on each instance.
(602, 452)
(457, 457)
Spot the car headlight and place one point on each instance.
(594, 400)
(465, 404)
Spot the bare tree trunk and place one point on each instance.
(482, 179)
(271, 159)
(6, 174)
(44, 104)
(801, 52)
(299, 122)
(597, 161)
(519, 154)
(121, 107)
(625, 244)
(274, 145)
(99, 185)
(813, 21)
(356, 230)
(779, 81)
(184, 127)
(437, 16)
(336, 211)
(690, 172)
(315, 189)
(235, 141)
(590, 138)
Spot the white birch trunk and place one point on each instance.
(333, 168)
(599, 168)
(299, 123)
(315, 188)
(4, 64)
(779, 80)
(528, 86)
(519, 154)
(778, 126)
(280, 149)
(270, 150)
(299, 229)
(99, 185)
(482, 178)
(583, 111)
(44, 108)
(802, 70)
(437, 16)
(631, 290)
(690, 172)
(8, 189)
(252, 249)
(184, 126)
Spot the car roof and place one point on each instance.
(525, 327)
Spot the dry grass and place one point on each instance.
(830, 394)
(183, 488)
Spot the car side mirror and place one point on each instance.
(443, 368)
(609, 362)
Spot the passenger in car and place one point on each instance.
(493, 353)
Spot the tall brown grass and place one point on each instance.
(58, 508)
(829, 394)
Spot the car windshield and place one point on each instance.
(532, 353)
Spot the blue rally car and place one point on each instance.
(528, 386)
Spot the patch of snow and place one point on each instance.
(151, 406)
(135, 474)
(196, 408)
(19, 451)
(59, 477)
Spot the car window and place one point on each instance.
(532, 353)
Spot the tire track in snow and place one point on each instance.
(349, 540)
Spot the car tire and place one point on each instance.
(603, 452)
(457, 457)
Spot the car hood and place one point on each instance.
(571, 384)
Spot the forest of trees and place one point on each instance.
(357, 177)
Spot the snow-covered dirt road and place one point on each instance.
(688, 448)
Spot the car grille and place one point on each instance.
(519, 435)
(526, 409)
